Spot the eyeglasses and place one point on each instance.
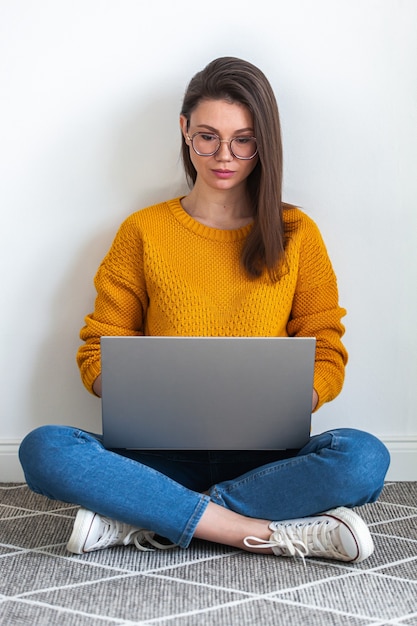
(207, 144)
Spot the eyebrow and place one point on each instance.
(214, 130)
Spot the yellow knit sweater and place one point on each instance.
(167, 274)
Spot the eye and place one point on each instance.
(242, 140)
(207, 137)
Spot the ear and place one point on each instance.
(184, 126)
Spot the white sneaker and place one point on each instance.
(94, 532)
(339, 534)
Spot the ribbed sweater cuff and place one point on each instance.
(323, 390)
(89, 375)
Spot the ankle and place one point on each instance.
(256, 528)
(221, 525)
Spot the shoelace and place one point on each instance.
(149, 537)
(116, 532)
(302, 539)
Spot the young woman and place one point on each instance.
(228, 259)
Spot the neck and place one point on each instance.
(220, 210)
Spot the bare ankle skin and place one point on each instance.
(220, 525)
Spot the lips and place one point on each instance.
(223, 173)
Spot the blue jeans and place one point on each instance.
(162, 491)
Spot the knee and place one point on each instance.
(34, 445)
(30, 457)
(40, 450)
(36, 441)
(367, 461)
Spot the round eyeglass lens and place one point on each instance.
(205, 143)
(243, 147)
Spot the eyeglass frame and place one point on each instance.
(229, 141)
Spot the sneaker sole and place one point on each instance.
(82, 525)
(358, 528)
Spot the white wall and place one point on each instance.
(90, 95)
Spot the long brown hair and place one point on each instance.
(235, 80)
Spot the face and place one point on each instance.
(222, 170)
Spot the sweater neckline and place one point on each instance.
(208, 232)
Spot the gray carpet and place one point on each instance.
(205, 585)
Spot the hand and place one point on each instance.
(97, 386)
(315, 400)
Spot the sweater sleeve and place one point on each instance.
(316, 313)
(121, 300)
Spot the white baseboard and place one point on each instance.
(403, 459)
(403, 452)
(10, 468)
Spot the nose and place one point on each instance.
(224, 152)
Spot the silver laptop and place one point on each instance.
(210, 393)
